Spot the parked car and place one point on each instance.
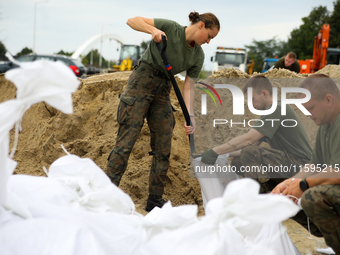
(77, 67)
(6, 65)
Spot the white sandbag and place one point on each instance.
(24, 190)
(47, 236)
(94, 189)
(8, 217)
(207, 237)
(116, 234)
(169, 218)
(275, 237)
(213, 179)
(327, 250)
(37, 81)
(43, 80)
(240, 213)
(259, 215)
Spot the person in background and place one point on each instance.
(318, 182)
(289, 146)
(288, 62)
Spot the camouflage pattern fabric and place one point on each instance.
(259, 160)
(322, 205)
(146, 96)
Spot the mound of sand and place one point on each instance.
(91, 131)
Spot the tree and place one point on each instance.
(334, 23)
(259, 50)
(3, 51)
(61, 52)
(301, 39)
(96, 55)
(24, 51)
(144, 45)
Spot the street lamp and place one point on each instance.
(35, 12)
(101, 45)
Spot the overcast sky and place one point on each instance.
(67, 24)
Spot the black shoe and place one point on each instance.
(154, 200)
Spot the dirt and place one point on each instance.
(91, 131)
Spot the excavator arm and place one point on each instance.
(320, 48)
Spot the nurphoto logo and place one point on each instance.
(238, 104)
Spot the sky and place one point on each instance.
(67, 24)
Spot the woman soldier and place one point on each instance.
(147, 94)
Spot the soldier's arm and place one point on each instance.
(238, 153)
(291, 186)
(147, 26)
(239, 142)
(188, 96)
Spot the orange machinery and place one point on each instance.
(319, 52)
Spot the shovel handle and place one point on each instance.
(162, 50)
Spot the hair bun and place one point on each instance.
(194, 16)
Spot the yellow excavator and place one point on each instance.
(129, 56)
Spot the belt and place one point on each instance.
(155, 72)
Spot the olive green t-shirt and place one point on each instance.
(181, 56)
(327, 145)
(281, 64)
(292, 140)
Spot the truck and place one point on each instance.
(230, 57)
(129, 57)
(268, 63)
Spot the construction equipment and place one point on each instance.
(322, 55)
(129, 56)
(268, 63)
(230, 57)
(250, 65)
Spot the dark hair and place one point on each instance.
(209, 19)
(320, 85)
(258, 83)
(291, 55)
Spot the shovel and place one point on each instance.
(177, 91)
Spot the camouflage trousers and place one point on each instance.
(267, 166)
(145, 97)
(322, 205)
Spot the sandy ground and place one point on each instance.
(91, 131)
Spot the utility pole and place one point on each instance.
(35, 21)
(101, 45)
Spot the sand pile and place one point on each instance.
(91, 131)
(229, 73)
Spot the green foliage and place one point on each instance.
(334, 23)
(259, 50)
(96, 55)
(61, 52)
(144, 45)
(84, 61)
(2, 52)
(24, 51)
(301, 39)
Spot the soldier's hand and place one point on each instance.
(157, 35)
(209, 157)
(280, 187)
(190, 129)
(293, 190)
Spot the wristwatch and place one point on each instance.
(304, 185)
